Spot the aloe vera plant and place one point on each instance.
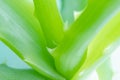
(35, 30)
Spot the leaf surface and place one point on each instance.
(70, 55)
(105, 71)
(107, 40)
(50, 20)
(21, 32)
(7, 73)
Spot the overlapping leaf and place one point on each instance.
(70, 55)
(8, 57)
(101, 47)
(50, 20)
(20, 30)
(7, 73)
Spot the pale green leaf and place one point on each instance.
(50, 20)
(7, 73)
(21, 32)
(101, 47)
(8, 57)
(71, 53)
(105, 70)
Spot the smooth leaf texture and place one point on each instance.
(69, 7)
(105, 70)
(21, 32)
(101, 47)
(8, 57)
(7, 73)
(70, 55)
(50, 20)
(85, 72)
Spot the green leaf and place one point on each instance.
(7, 73)
(101, 47)
(105, 70)
(50, 20)
(72, 51)
(10, 58)
(21, 32)
(69, 7)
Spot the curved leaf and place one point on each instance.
(21, 32)
(50, 20)
(71, 53)
(10, 58)
(101, 47)
(7, 73)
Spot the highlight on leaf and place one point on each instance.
(60, 39)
